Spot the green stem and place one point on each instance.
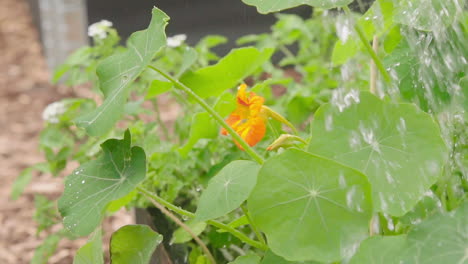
(369, 49)
(254, 227)
(286, 51)
(215, 223)
(214, 114)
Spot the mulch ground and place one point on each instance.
(24, 93)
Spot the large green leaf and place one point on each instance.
(91, 252)
(227, 73)
(397, 146)
(227, 190)
(44, 251)
(442, 238)
(379, 250)
(117, 72)
(268, 6)
(309, 207)
(94, 184)
(133, 244)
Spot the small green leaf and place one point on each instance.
(392, 39)
(309, 207)
(46, 249)
(181, 236)
(247, 259)
(115, 205)
(271, 258)
(380, 250)
(91, 252)
(189, 58)
(227, 190)
(227, 73)
(397, 146)
(94, 184)
(133, 244)
(117, 72)
(25, 178)
(158, 87)
(46, 214)
(268, 6)
(343, 52)
(203, 126)
(442, 238)
(21, 182)
(375, 22)
(225, 104)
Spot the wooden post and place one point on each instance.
(63, 28)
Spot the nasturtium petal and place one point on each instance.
(268, 6)
(133, 244)
(441, 238)
(397, 146)
(88, 190)
(380, 250)
(310, 207)
(227, 190)
(227, 73)
(117, 72)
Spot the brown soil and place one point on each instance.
(24, 92)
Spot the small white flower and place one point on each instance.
(99, 29)
(176, 40)
(53, 111)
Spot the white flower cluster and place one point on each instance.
(53, 111)
(176, 40)
(99, 29)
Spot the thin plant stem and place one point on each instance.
(373, 68)
(186, 228)
(159, 119)
(369, 49)
(213, 113)
(254, 227)
(217, 224)
(286, 51)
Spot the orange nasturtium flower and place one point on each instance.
(248, 119)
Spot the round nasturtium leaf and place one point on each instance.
(380, 250)
(227, 190)
(309, 207)
(442, 238)
(90, 188)
(397, 146)
(133, 244)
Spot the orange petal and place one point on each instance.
(231, 120)
(242, 96)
